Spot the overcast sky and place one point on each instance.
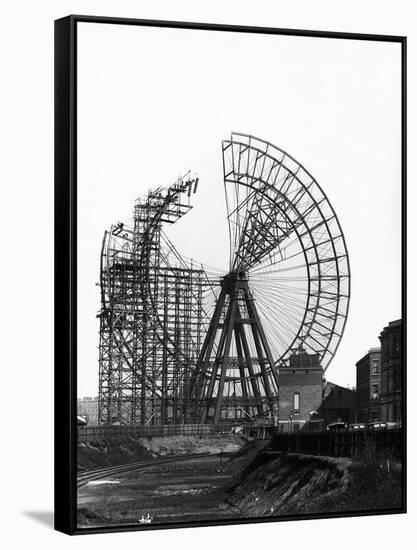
(153, 103)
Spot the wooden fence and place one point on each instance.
(345, 443)
(96, 433)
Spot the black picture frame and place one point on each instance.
(66, 257)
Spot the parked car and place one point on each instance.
(337, 426)
(377, 425)
(394, 425)
(356, 427)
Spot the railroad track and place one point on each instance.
(91, 475)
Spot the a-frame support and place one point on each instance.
(235, 373)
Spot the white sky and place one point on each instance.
(153, 103)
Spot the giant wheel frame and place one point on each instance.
(288, 269)
(291, 194)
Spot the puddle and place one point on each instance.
(102, 482)
(172, 492)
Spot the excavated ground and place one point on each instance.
(111, 451)
(253, 483)
(278, 484)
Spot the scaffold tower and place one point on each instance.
(151, 314)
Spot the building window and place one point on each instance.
(395, 385)
(296, 427)
(375, 392)
(296, 401)
(396, 413)
(375, 368)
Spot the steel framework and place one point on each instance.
(151, 316)
(179, 343)
(287, 289)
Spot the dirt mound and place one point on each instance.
(110, 452)
(177, 445)
(287, 484)
(278, 484)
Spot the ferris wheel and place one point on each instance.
(287, 288)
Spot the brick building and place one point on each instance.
(339, 404)
(300, 391)
(368, 387)
(87, 407)
(391, 372)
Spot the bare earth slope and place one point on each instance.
(276, 484)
